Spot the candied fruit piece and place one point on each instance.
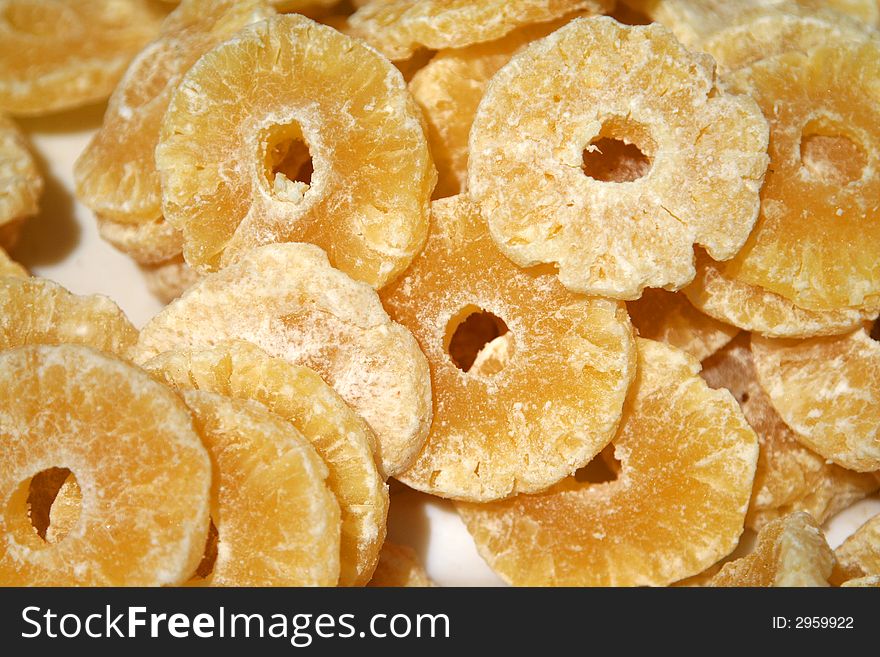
(288, 300)
(859, 555)
(38, 311)
(8, 266)
(168, 280)
(789, 476)
(399, 567)
(397, 28)
(324, 145)
(341, 438)
(789, 551)
(65, 509)
(687, 463)
(554, 396)
(20, 181)
(147, 243)
(129, 440)
(276, 522)
(828, 391)
(60, 54)
(819, 199)
(574, 167)
(871, 581)
(669, 317)
(116, 174)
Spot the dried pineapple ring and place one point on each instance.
(287, 299)
(277, 523)
(230, 179)
(129, 440)
(790, 551)
(38, 311)
(116, 174)
(65, 509)
(8, 266)
(550, 408)
(398, 28)
(754, 309)
(168, 280)
(20, 181)
(828, 391)
(872, 581)
(399, 567)
(688, 459)
(821, 189)
(297, 394)
(449, 89)
(59, 54)
(789, 477)
(668, 317)
(525, 168)
(859, 555)
(148, 243)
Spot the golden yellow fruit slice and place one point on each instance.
(38, 311)
(872, 582)
(551, 399)
(20, 180)
(828, 391)
(129, 441)
(859, 555)
(575, 167)
(59, 54)
(323, 145)
(147, 243)
(168, 280)
(819, 200)
(277, 523)
(116, 174)
(342, 439)
(790, 551)
(399, 566)
(397, 28)
(669, 317)
(687, 463)
(755, 309)
(288, 300)
(8, 266)
(789, 477)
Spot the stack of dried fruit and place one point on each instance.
(615, 201)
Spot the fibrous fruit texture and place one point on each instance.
(399, 566)
(859, 555)
(20, 181)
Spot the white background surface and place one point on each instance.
(62, 243)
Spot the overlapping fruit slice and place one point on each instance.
(8, 266)
(858, 556)
(399, 566)
(20, 181)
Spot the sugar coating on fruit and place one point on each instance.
(828, 391)
(144, 475)
(147, 243)
(277, 522)
(60, 54)
(687, 463)
(821, 190)
(755, 309)
(116, 174)
(790, 551)
(8, 266)
(20, 180)
(789, 476)
(859, 555)
(288, 300)
(544, 402)
(342, 439)
(399, 566)
(38, 311)
(399, 27)
(614, 179)
(325, 146)
(669, 317)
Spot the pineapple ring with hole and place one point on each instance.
(790, 551)
(60, 54)
(130, 442)
(677, 506)
(555, 401)
(789, 476)
(240, 370)
(38, 311)
(325, 146)
(288, 300)
(277, 523)
(116, 174)
(755, 309)
(828, 391)
(686, 163)
(20, 182)
(8, 266)
(401, 27)
(399, 566)
(859, 555)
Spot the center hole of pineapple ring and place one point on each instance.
(209, 557)
(478, 341)
(831, 158)
(288, 163)
(54, 503)
(621, 152)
